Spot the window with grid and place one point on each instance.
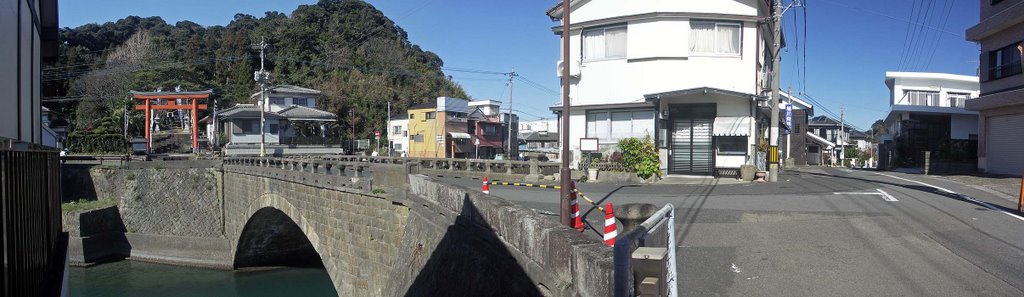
(396, 130)
(604, 43)
(957, 99)
(717, 38)
(610, 126)
(923, 98)
(1004, 62)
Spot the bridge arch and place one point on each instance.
(276, 233)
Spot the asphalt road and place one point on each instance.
(826, 232)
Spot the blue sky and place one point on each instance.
(849, 44)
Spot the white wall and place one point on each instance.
(658, 60)
(398, 138)
(271, 138)
(539, 125)
(289, 101)
(602, 9)
(938, 82)
(962, 126)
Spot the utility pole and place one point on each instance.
(511, 77)
(773, 133)
(262, 77)
(564, 175)
(842, 131)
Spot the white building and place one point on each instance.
(542, 125)
(283, 96)
(689, 74)
(927, 112)
(398, 134)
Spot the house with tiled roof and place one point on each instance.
(292, 125)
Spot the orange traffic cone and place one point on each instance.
(487, 186)
(610, 231)
(577, 222)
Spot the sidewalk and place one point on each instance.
(1004, 186)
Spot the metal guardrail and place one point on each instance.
(656, 231)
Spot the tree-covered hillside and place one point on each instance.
(347, 48)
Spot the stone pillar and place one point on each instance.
(508, 167)
(534, 167)
(927, 161)
(340, 168)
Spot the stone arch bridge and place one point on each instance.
(379, 229)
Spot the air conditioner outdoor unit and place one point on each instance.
(764, 80)
(574, 69)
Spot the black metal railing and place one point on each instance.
(34, 246)
(310, 140)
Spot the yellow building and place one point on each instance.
(439, 130)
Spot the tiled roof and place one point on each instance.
(302, 112)
(293, 90)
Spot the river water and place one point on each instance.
(131, 278)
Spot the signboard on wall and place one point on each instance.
(588, 145)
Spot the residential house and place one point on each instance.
(1000, 33)
(692, 75)
(440, 129)
(490, 133)
(398, 134)
(926, 113)
(827, 137)
(292, 125)
(54, 128)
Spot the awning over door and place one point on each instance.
(732, 126)
(823, 142)
(458, 135)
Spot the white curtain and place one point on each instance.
(643, 124)
(728, 39)
(702, 37)
(615, 42)
(593, 44)
(622, 125)
(597, 126)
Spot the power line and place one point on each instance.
(938, 37)
(906, 37)
(923, 37)
(891, 17)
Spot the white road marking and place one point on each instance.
(735, 268)
(886, 196)
(965, 197)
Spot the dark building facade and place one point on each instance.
(33, 245)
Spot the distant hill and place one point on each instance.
(347, 48)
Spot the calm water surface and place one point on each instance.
(129, 278)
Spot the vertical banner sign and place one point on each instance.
(789, 118)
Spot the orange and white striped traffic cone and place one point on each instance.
(577, 221)
(487, 186)
(610, 231)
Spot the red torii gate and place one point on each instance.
(190, 101)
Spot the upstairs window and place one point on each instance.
(277, 101)
(715, 38)
(490, 130)
(957, 99)
(300, 101)
(604, 43)
(396, 130)
(1004, 62)
(430, 115)
(923, 98)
